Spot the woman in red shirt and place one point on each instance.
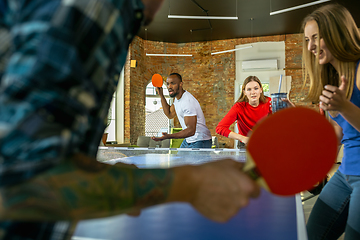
(251, 106)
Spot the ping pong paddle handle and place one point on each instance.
(252, 171)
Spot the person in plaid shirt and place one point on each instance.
(58, 65)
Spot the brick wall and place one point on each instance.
(210, 78)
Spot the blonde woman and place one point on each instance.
(331, 56)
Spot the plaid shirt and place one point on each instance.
(59, 68)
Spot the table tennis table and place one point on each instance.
(268, 217)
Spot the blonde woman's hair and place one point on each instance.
(338, 30)
(243, 97)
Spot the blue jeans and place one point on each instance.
(337, 209)
(197, 144)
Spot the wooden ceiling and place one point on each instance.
(253, 19)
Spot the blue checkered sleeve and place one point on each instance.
(57, 67)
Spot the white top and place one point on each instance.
(186, 106)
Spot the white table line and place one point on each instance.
(300, 219)
(177, 149)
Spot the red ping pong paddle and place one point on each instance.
(157, 80)
(291, 150)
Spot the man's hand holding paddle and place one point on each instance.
(218, 190)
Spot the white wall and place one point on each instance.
(119, 105)
(112, 127)
(259, 51)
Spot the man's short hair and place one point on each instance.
(176, 74)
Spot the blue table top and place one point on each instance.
(166, 158)
(267, 217)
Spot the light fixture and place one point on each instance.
(207, 17)
(168, 55)
(203, 17)
(298, 7)
(231, 50)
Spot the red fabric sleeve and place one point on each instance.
(224, 125)
(246, 117)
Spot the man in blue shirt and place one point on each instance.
(59, 65)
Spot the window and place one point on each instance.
(155, 120)
(153, 101)
(266, 89)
